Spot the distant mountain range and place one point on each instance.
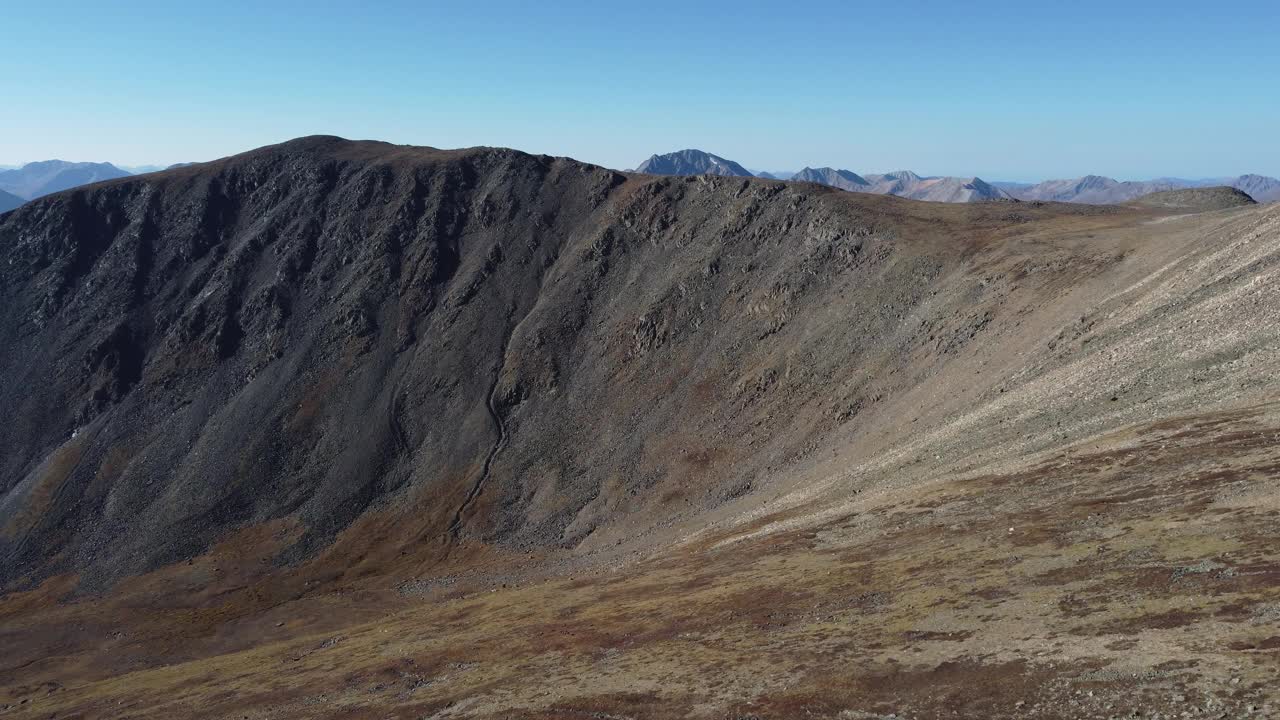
(1093, 189)
(1100, 190)
(36, 179)
(843, 179)
(903, 183)
(33, 180)
(9, 201)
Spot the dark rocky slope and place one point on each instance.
(482, 343)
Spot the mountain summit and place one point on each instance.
(692, 162)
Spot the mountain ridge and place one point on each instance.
(1088, 189)
(900, 183)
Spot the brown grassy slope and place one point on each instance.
(1138, 571)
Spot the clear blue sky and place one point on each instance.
(1024, 90)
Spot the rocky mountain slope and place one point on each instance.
(37, 179)
(479, 302)
(691, 162)
(341, 428)
(1091, 189)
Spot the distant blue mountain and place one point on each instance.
(9, 201)
(49, 176)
